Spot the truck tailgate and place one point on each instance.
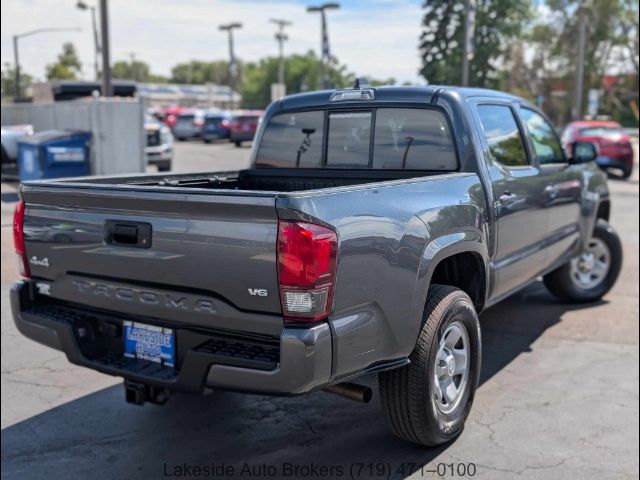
(200, 259)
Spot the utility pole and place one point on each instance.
(233, 66)
(582, 39)
(96, 40)
(281, 37)
(325, 53)
(16, 62)
(469, 45)
(16, 56)
(107, 86)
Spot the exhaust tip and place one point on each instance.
(351, 391)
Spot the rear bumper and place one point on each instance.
(241, 136)
(299, 363)
(215, 134)
(159, 152)
(622, 162)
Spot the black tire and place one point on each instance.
(626, 172)
(164, 167)
(237, 144)
(560, 283)
(408, 394)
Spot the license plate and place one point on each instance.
(149, 342)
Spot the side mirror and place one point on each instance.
(583, 152)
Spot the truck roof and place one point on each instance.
(387, 94)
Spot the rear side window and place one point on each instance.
(413, 139)
(349, 139)
(293, 140)
(503, 135)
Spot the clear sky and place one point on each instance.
(376, 38)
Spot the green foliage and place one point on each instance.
(135, 70)
(442, 39)
(302, 73)
(68, 65)
(9, 81)
(199, 72)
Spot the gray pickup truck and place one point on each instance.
(372, 227)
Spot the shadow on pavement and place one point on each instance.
(100, 436)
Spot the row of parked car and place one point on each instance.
(210, 125)
(615, 151)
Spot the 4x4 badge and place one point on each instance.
(44, 262)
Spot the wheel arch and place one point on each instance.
(458, 260)
(604, 210)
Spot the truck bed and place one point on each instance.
(259, 179)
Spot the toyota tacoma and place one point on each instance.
(372, 227)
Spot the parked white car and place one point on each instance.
(10, 136)
(159, 143)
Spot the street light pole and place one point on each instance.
(16, 56)
(325, 54)
(233, 67)
(281, 37)
(107, 86)
(16, 63)
(96, 41)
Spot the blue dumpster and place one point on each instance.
(54, 154)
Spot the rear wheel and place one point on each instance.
(428, 401)
(237, 143)
(591, 274)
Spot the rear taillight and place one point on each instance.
(18, 239)
(306, 270)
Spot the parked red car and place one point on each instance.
(242, 127)
(614, 145)
(169, 115)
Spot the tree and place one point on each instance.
(442, 39)
(9, 81)
(68, 66)
(610, 42)
(198, 72)
(135, 70)
(302, 73)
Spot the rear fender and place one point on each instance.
(436, 250)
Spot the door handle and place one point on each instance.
(507, 198)
(127, 234)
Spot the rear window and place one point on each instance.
(214, 120)
(349, 139)
(603, 132)
(412, 139)
(403, 138)
(244, 118)
(293, 140)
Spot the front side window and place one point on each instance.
(503, 135)
(546, 145)
(349, 139)
(413, 139)
(293, 140)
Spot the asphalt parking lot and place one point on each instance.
(558, 396)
